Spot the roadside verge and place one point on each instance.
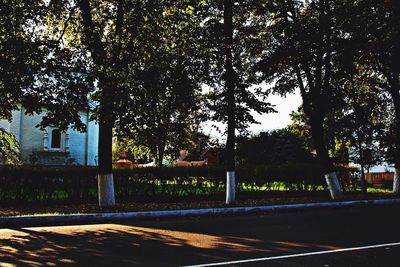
(14, 221)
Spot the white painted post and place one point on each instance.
(333, 185)
(396, 181)
(45, 141)
(106, 190)
(230, 187)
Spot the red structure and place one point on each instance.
(212, 157)
(378, 178)
(123, 162)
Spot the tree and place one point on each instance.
(230, 99)
(104, 34)
(381, 54)
(37, 73)
(301, 43)
(364, 120)
(9, 150)
(104, 45)
(135, 152)
(117, 34)
(19, 57)
(388, 144)
(95, 48)
(226, 48)
(197, 144)
(164, 114)
(167, 103)
(275, 147)
(356, 126)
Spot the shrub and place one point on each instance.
(26, 184)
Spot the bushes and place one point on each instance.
(41, 184)
(26, 184)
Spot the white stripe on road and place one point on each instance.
(296, 255)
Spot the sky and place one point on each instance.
(283, 105)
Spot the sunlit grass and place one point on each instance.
(379, 190)
(41, 214)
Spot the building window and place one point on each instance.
(55, 139)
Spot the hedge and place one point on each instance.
(25, 184)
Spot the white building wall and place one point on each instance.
(82, 147)
(5, 125)
(31, 137)
(93, 143)
(16, 124)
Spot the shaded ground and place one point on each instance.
(256, 200)
(173, 242)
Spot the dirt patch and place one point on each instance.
(74, 208)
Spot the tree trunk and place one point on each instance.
(363, 182)
(317, 133)
(396, 181)
(91, 39)
(160, 154)
(230, 93)
(395, 87)
(105, 176)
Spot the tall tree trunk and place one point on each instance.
(105, 176)
(363, 182)
(362, 164)
(317, 133)
(318, 87)
(230, 94)
(91, 39)
(395, 93)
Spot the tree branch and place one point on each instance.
(91, 36)
(66, 23)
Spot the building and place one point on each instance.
(212, 156)
(379, 178)
(52, 146)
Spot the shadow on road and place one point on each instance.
(129, 245)
(191, 240)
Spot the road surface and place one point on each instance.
(366, 236)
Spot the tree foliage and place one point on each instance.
(302, 41)
(135, 152)
(166, 104)
(9, 149)
(37, 71)
(275, 147)
(248, 97)
(379, 54)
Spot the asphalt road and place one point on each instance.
(194, 241)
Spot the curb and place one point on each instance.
(101, 217)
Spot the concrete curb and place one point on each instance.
(101, 217)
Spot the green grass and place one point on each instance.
(378, 190)
(179, 190)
